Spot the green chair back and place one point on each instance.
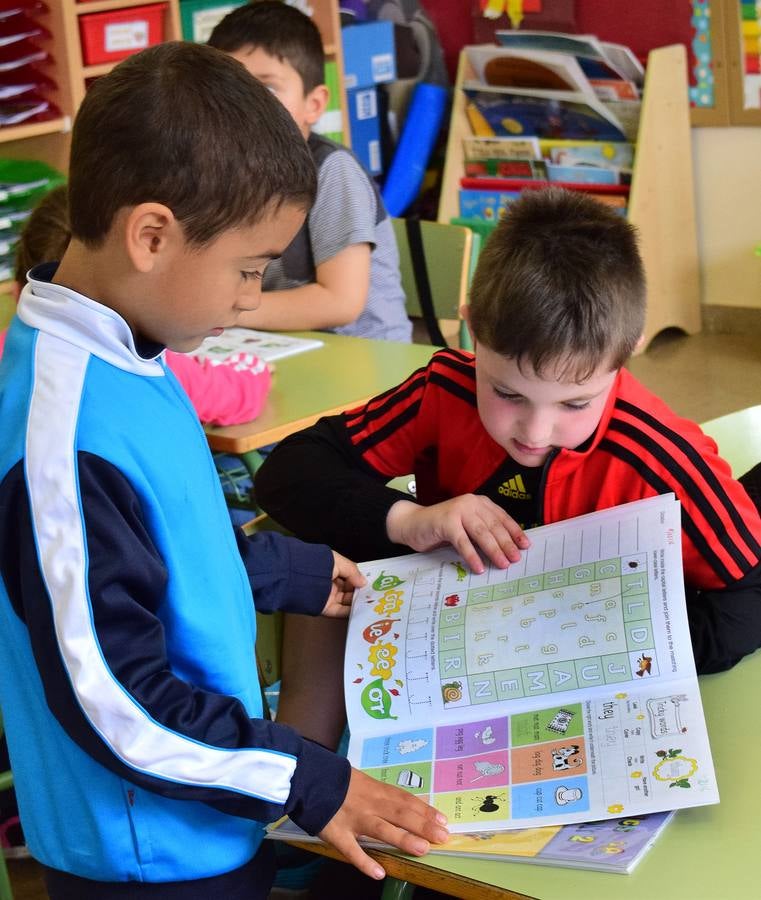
(738, 435)
(448, 253)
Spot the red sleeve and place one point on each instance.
(391, 430)
(223, 394)
(721, 528)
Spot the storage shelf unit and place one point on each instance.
(661, 203)
(78, 73)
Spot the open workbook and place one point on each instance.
(267, 345)
(561, 690)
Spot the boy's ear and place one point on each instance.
(465, 316)
(316, 102)
(150, 229)
(640, 343)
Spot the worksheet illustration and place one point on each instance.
(560, 689)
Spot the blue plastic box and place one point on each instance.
(364, 125)
(369, 56)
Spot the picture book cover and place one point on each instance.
(505, 168)
(519, 68)
(592, 153)
(590, 52)
(582, 174)
(615, 845)
(514, 112)
(561, 690)
(267, 345)
(501, 148)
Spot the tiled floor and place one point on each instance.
(704, 375)
(700, 377)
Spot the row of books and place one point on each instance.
(548, 108)
(25, 90)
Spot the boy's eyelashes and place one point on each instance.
(247, 276)
(517, 398)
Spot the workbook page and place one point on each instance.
(557, 682)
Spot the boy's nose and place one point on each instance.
(536, 429)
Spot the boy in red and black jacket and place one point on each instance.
(540, 424)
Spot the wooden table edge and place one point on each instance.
(418, 873)
(225, 443)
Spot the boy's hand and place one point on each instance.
(386, 813)
(469, 523)
(346, 577)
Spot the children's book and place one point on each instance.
(519, 68)
(515, 112)
(265, 344)
(534, 169)
(614, 845)
(560, 690)
(589, 153)
(582, 174)
(592, 54)
(475, 148)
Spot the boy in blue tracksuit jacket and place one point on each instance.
(128, 686)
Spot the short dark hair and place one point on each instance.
(280, 30)
(187, 126)
(46, 233)
(560, 284)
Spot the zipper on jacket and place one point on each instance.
(543, 480)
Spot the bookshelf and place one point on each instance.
(661, 202)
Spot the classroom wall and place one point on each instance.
(727, 166)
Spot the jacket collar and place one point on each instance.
(76, 319)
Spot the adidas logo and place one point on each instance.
(514, 488)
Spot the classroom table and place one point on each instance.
(344, 372)
(705, 853)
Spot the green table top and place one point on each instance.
(342, 373)
(707, 853)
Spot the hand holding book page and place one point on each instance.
(560, 690)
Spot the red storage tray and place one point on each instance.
(114, 35)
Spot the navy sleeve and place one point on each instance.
(286, 574)
(126, 581)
